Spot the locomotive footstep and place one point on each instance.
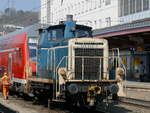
(59, 104)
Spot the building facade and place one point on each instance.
(95, 13)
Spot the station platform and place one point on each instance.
(141, 85)
(137, 90)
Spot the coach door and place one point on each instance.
(10, 64)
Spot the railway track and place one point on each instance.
(135, 102)
(72, 109)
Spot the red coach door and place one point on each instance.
(10, 65)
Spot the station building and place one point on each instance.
(95, 13)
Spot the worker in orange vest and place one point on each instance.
(5, 81)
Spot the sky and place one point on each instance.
(25, 5)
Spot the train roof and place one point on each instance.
(63, 25)
(32, 31)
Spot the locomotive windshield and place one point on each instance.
(55, 34)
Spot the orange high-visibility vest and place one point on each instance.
(5, 80)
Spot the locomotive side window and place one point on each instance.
(55, 34)
(83, 31)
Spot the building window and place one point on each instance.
(86, 6)
(75, 9)
(100, 3)
(107, 2)
(108, 22)
(145, 5)
(79, 8)
(120, 7)
(83, 7)
(138, 5)
(100, 23)
(95, 4)
(95, 24)
(68, 9)
(126, 8)
(89, 6)
(132, 6)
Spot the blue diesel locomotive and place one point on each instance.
(74, 67)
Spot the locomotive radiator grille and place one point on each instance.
(88, 63)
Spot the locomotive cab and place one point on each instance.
(59, 33)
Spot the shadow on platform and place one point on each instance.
(4, 109)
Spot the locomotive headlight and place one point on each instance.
(94, 90)
(114, 88)
(98, 90)
(73, 88)
(62, 72)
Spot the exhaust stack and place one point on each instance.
(69, 17)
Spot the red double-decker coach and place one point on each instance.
(18, 54)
